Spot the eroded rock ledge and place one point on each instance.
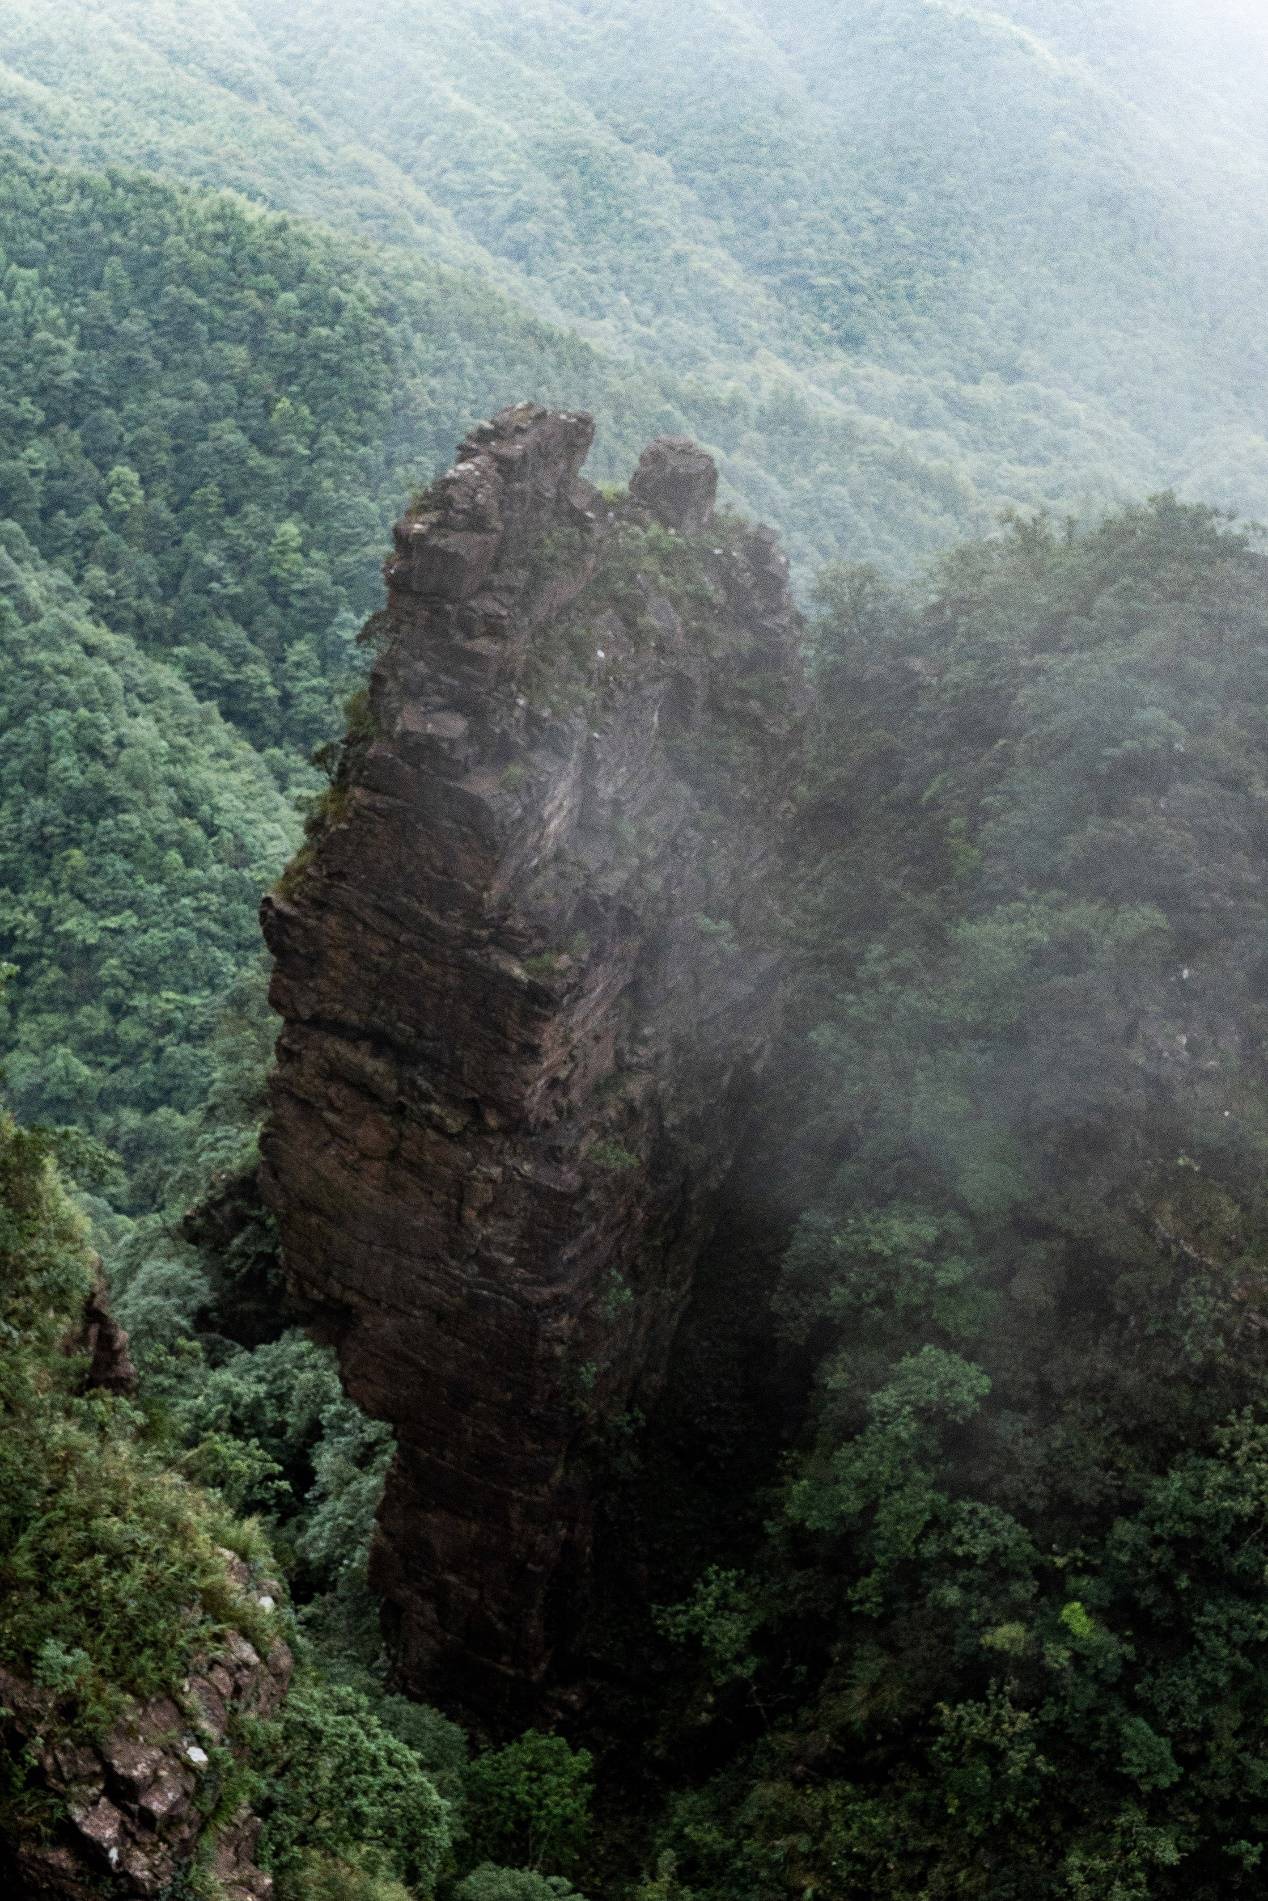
(127, 1814)
(529, 968)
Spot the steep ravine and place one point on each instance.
(530, 970)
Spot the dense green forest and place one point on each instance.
(1002, 1633)
(1007, 1614)
(994, 1627)
(899, 265)
(211, 418)
(138, 829)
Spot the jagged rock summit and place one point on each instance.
(529, 967)
(678, 483)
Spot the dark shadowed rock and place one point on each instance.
(677, 483)
(529, 970)
(104, 1343)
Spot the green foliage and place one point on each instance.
(336, 1780)
(664, 1885)
(1010, 1598)
(439, 1744)
(111, 1573)
(611, 1154)
(722, 1616)
(529, 1802)
(616, 1298)
(321, 1877)
(270, 1429)
(199, 440)
(543, 964)
(487, 1883)
(136, 832)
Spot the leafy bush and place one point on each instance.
(529, 1802)
(320, 1877)
(337, 1780)
(487, 1883)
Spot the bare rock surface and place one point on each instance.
(529, 970)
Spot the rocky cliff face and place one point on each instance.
(529, 969)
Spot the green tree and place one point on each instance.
(529, 1802)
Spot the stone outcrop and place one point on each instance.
(129, 1813)
(529, 967)
(103, 1343)
(677, 483)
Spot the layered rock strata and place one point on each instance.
(529, 966)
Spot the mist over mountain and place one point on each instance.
(901, 264)
(634, 1101)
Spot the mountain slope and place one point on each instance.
(137, 830)
(907, 263)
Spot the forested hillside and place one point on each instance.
(899, 265)
(137, 830)
(211, 417)
(1003, 1632)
